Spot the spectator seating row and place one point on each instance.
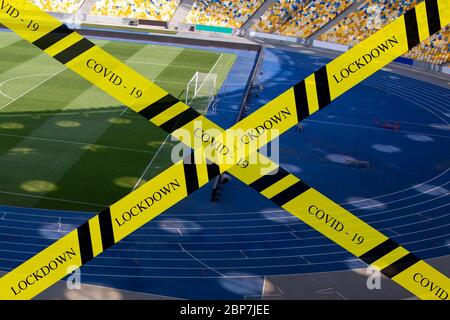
(313, 16)
(434, 50)
(299, 18)
(277, 15)
(65, 6)
(161, 10)
(229, 13)
(371, 16)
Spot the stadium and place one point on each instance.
(381, 150)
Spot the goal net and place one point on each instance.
(201, 91)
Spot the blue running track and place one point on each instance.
(205, 250)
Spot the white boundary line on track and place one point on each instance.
(271, 211)
(34, 87)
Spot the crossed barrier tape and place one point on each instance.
(314, 93)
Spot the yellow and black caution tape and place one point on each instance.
(315, 92)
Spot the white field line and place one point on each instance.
(5, 95)
(49, 198)
(20, 77)
(73, 142)
(263, 288)
(185, 67)
(151, 162)
(26, 92)
(162, 145)
(125, 109)
(167, 65)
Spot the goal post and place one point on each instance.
(201, 91)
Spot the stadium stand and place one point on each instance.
(375, 14)
(372, 16)
(434, 50)
(300, 18)
(278, 14)
(313, 16)
(65, 6)
(161, 10)
(231, 13)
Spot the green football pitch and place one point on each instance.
(67, 145)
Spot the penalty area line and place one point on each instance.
(34, 87)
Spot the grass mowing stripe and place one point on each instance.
(76, 172)
(18, 51)
(95, 146)
(139, 51)
(74, 86)
(108, 163)
(185, 58)
(31, 89)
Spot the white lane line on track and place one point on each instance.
(260, 233)
(34, 87)
(258, 212)
(202, 263)
(212, 259)
(407, 95)
(374, 128)
(382, 88)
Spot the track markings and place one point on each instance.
(201, 262)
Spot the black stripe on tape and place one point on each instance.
(190, 173)
(106, 228)
(379, 251)
(53, 37)
(434, 21)
(322, 87)
(412, 29)
(301, 100)
(213, 169)
(180, 120)
(74, 51)
(290, 193)
(400, 265)
(159, 106)
(269, 179)
(84, 240)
